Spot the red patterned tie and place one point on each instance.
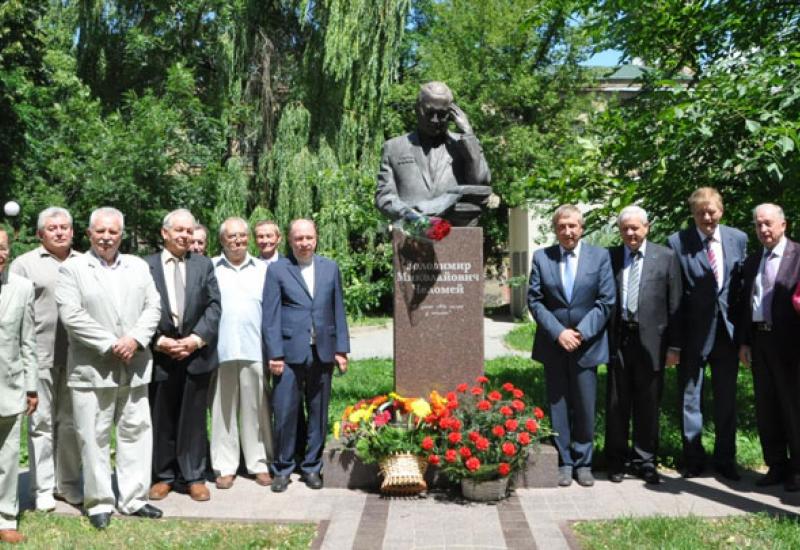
(712, 259)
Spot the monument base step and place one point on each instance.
(342, 469)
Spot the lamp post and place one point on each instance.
(11, 210)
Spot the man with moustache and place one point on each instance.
(110, 308)
(305, 336)
(184, 357)
(268, 237)
(711, 256)
(570, 296)
(240, 414)
(643, 325)
(767, 332)
(54, 457)
(18, 383)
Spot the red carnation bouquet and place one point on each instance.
(486, 433)
(427, 228)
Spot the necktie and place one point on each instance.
(180, 292)
(768, 284)
(712, 259)
(569, 274)
(633, 286)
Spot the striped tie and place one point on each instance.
(633, 286)
(712, 259)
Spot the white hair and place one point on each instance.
(768, 205)
(631, 211)
(167, 221)
(52, 212)
(232, 219)
(107, 211)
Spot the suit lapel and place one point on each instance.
(555, 271)
(422, 161)
(294, 270)
(192, 280)
(5, 298)
(787, 264)
(727, 253)
(580, 269)
(157, 272)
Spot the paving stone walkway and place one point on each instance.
(531, 518)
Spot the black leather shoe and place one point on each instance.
(774, 476)
(650, 476)
(616, 477)
(728, 471)
(100, 521)
(564, 476)
(148, 511)
(693, 470)
(313, 480)
(280, 483)
(584, 477)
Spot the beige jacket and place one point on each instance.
(18, 366)
(88, 310)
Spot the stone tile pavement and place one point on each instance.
(531, 518)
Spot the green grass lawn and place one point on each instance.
(374, 376)
(55, 531)
(757, 531)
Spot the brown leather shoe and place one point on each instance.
(225, 482)
(11, 536)
(159, 490)
(264, 479)
(199, 492)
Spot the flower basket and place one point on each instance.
(484, 490)
(403, 474)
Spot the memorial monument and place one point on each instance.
(438, 300)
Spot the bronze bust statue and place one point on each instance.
(434, 172)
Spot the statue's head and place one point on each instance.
(433, 109)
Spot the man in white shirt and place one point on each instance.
(240, 390)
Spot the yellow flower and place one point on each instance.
(420, 408)
(336, 428)
(359, 415)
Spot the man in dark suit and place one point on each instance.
(570, 296)
(711, 257)
(305, 335)
(643, 325)
(768, 334)
(184, 347)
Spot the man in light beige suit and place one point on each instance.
(52, 443)
(110, 307)
(18, 379)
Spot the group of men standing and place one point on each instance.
(640, 307)
(148, 346)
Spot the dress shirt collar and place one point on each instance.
(167, 256)
(778, 250)
(222, 260)
(715, 237)
(576, 251)
(114, 264)
(629, 252)
(44, 252)
(275, 257)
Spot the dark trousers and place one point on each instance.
(724, 362)
(306, 385)
(572, 392)
(777, 394)
(180, 437)
(632, 387)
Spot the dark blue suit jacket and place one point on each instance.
(593, 296)
(702, 301)
(289, 312)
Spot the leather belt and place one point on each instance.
(762, 327)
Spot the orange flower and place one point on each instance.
(450, 455)
(517, 393)
(482, 380)
(531, 425)
(461, 388)
(472, 464)
(495, 395)
(499, 431)
(509, 449)
(512, 424)
(484, 405)
(503, 469)
(482, 444)
(524, 438)
(518, 405)
(427, 443)
(508, 386)
(538, 413)
(465, 452)
(434, 459)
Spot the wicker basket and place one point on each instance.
(403, 474)
(484, 491)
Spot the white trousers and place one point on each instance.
(55, 458)
(9, 470)
(240, 391)
(97, 410)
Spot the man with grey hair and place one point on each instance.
(240, 414)
(570, 295)
(184, 347)
(199, 241)
(433, 172)
(110, 308)
(767, 332)
(55, 464)
(643, 326)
